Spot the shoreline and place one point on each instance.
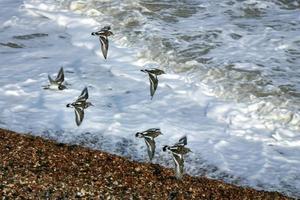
(37, 168)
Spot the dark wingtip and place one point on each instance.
(137, 134)
(93, 33)
(68, 105)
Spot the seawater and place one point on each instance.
(245, 51)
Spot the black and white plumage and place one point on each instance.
(104, 45)
(153, 73)
(103, 38)
(79, 105)
(178, 150)
(57, 83)
(149, 136)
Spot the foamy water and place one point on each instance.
(231, 83)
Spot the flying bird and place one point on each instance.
(79, 105)
(153, 73)
(149, 136)
(57, 83)
(103, 37)
(178, 150)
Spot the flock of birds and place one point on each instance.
(178, 150)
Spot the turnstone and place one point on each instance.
(178, 150)
(79, 105)
(149, 136)
(103, 37)
(153, 73)
(58, 82)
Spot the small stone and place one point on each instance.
(137, 169)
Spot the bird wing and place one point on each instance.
(155, 71)
(179, 164)
(79, 114)
(104, 45)
(50, 79)
(153, 130)
(153, 84)
(150, 146)
(182, 141)
(60, 76)
(84, 95)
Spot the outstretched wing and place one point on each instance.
(150, 146)
(152, 130)
(179, 164)
(79, 115)
(182, 141)
(84, 95)
(60, 76)
(104, 45)
(153, 84)
(155, 71)
(50, 79)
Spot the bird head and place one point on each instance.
(165, 148)
(61, 87)
(139, 135)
